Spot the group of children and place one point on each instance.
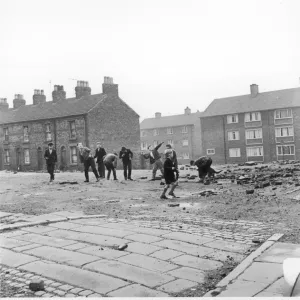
(168, 169)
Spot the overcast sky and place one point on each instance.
(165, 55)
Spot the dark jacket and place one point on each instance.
(203, 162)
(99, 154)
(155, 155)
(84, 154)
(50, 158)
(126, 155)
(169, 171)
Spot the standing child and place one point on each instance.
(51, 159)
(169, 174)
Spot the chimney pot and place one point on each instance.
(38, 97)
(254, 90)
(58, 94)
(187, 111)
(157, 115)
(82, 89)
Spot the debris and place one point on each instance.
(68, 182)
(112, 201)
(173, 204)
(250, 163)
(122, 247)
(143, 177)
(36, 285)
(256, 241)
(248, 192)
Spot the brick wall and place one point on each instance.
(115, 124)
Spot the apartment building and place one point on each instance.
(182, 131)
(260, 127)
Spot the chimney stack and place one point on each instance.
(18, 101)
(3, 104)
(38, 97)
(254, 90)
(58, 94)
(82, 89)
(157, 115)
(187, 111)
(109, 88)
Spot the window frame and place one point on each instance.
(171, 142)
(254, 129)
(73, 155)
(48, 132)
(6, 162)
(250, 114)
(170, 130)
(283, 136)
(211, 149)
(6, 134)
(183, 144)
(279, 110)
(184, 129)
(282, 146)
(26, 140)
(185, 155)
(255, 155)
(232, 131)
(155, 132)
(234, 149)
(144, 148)
(143, 133)
(72, 129)
(26, 150)
(231, 116)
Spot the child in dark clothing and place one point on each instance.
(169, 174)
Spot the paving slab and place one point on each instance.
(166, 254)
(12, 233)
(177, 285)
(4, 214)
(136, 290)
(184, 247)
(187, 237)
(88, 221)
(64, 225)
(15, 259)
(11, 242)
(88, 238)
(277, 287)
(143, 238)
(76, 246)
(220, 255)
(141, 248)
(267, 294)
(27, 247)
(45, 240)
(196, 262)
(228, 246)
(279, 252)
(85, 279)
(105, 253)
(262, 272)
(147, 262)
(117, 225)
(46, 218)
(38, 229)
(189, 274)
(62, 256)
(128, 272)
(103, 231)
(241, 288)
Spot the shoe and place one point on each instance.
(51, 180)
(115, 178)
(86, 181)
(153, 179)
(125, 178)
(130, 179)
(97, 179)
(173, 195)
(217, 172)
(162, 183)
(164, 197)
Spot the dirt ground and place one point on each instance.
(31, 193)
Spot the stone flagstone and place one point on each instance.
(228, 246)
(14, 259)
(105, 253)
(166, 254)
(62, 256)
(189, 274)
(85, 279)
(186, 237)
(143, 238)
(128, 272)
(177, 286)
(136, 290)
(11, 242)
(141, 248)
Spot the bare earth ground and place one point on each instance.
(31, 193)
(226, 211)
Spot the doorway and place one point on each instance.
(63, 158)
(40, 158)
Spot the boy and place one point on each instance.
(204, 168)
(99, 154)
(169, 174)
(88, 161)
(51, 159)
(126, 156)
(174, 159)
(110, 162)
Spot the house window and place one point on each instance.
(6, 157)
(5, 134)
(184, 129)
(170, 130)
(25, 134)
(155, 143)
(48, 133)
(185, 155)
(185, 142)
(233, 135)
(284, 131)
(144, 146)
(286, 150)
(234, 152)
(254, 134)
(155, 132)
(26, 157)
(73, 154)
(171, 142)
(232, 119)
(255, 151)
(210, 151)
(72, 130)
(252, 117)
(283, 113)
(143, 133)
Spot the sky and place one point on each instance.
(165, 55)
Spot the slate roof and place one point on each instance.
(170, 121)
(49, 109)
(263, 101)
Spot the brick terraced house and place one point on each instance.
(26, 130)
(260, 127)
(182, 131)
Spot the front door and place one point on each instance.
(18, 159)
(40, 158)
(63, 158)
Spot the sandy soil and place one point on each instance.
(31, 193)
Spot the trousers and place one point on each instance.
(127, 166)
(87, 164)
(50, 169)
(101, 169)
(110, 167)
